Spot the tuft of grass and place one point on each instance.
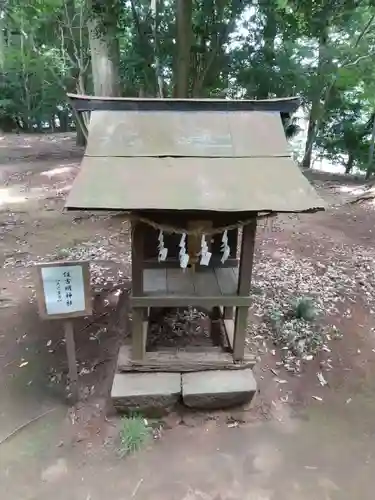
(256, 290)
(62, 253)
(276, 317)
(304, 309)
(134, 433)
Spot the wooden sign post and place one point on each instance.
(64, 292)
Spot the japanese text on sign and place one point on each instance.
(63, 288)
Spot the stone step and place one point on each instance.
(150, 394)
(218, 389)
(155, 394)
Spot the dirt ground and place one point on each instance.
(298, 439)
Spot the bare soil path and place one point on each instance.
(287, 445)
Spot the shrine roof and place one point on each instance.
(222, 160)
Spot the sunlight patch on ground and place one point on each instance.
(64, 189)
(352, 190)
(8, 196)
(6, 143)
(62, 169)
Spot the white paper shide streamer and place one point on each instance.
(163, 251)
(225, 247)
(204, 253)
(183, 255)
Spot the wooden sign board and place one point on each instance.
(63, 290)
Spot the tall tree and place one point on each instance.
(320, 50)
(324, 21)
(104, 46)
(184, 13)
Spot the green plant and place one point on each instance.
(304, 309)
(134, 433)
(275, 318)
(62, 253)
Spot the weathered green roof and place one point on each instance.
(190, 160)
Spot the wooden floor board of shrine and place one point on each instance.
(202, 283)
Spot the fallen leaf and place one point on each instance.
(309, 357)
(318, 398)
(85, 371)
(321, 379)
(280, 380)
(24, 363)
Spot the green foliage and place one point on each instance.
(321, 50)
(37, 67)
(276, 318)
(134, 433)
(304, 309)
(30, 98)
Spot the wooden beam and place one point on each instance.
(139, 329)
(137, 258)
(244, 286)
(139, 335)
(228, 313)
(181, 361)
(72, 360)
(183, 301)
(90, 103)
(215, 327)
(229, 331)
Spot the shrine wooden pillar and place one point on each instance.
(139, 314)
(244, 287)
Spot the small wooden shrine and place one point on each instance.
(190, 174)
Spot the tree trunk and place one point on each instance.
(350, 163)
(63, 120)
(2, 40)
(75, 76)
(316, 98)
(370, 162)
(80, 138)
(307, 157)
(5, 121)
(184, 41)
(269, 35)
(105, 56)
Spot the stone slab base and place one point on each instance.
(155, 394)
(151, 394)
(218, 389)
